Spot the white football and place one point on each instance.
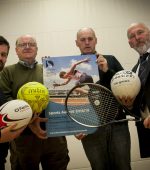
(15, 111)
(125, 83)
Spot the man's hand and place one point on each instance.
(147, 122)
(102, 63)
(9, 134)
(80, 136)
(126, 101)
(36, 128)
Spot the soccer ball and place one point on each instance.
(35, 94)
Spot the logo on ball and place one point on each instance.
(125, 83)
(35, 94)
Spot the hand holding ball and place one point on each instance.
(15, 111)
(125, 83)
(35, 94)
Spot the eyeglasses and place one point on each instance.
(24, 45)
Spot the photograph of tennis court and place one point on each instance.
(71, 101)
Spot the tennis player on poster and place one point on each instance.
(74, 74)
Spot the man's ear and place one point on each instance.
(96, 40)
(76, 43)
(16, 50)
(131, 45)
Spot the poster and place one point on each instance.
(58, 80)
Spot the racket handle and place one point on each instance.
(126, 120)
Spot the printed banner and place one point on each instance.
(60, 75)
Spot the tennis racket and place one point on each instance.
(93, 105)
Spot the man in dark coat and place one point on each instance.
(139, 39)
(5, 134)
(108, 143)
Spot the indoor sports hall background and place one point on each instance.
(54, 23)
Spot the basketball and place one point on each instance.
(35, 94)
(125, 83)
(15, 111)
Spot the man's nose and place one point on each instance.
(137, 36)
(27, 45)
(87, 41)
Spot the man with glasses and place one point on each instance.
(32, 147)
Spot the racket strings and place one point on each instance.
(104, 104)
(91, 106)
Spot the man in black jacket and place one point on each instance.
(5, 134)
(109, 147)
(139, 39)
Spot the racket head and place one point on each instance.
(91, 105)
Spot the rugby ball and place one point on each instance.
(15, 111)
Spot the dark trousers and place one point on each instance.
(109, 147)
(3, 154)
(28, 151)
(144, 140)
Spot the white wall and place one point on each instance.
(54, 23)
